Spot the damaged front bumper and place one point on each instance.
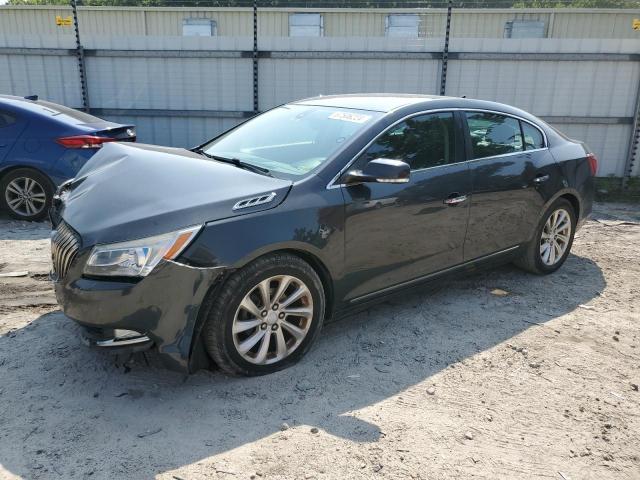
(163, 310)
(116, 338)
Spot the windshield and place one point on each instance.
(293, 139)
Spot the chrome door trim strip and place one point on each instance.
(423, 278)
(332, 183)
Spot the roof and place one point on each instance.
(378, 102)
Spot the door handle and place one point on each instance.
(541, 179)
(454, 199)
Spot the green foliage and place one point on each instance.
(609, 189)
(577, 4)
(348, 3)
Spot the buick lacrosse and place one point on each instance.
(232, 254)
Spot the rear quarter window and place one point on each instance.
(532, 136)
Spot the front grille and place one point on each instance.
(64, 247)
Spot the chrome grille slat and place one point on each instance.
(65, 244)
(64, 247)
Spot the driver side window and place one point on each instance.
(422, 141)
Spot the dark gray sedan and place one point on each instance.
(235, 252)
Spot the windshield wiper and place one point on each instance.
(237, 162)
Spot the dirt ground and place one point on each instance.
(456, 382)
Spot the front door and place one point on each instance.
(399, 232)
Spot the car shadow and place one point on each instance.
(11, 229)
(67, 411)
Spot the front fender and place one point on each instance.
(312, 223)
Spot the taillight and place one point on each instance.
(593, 163)
(84, 141)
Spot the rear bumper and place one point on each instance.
(160, 311)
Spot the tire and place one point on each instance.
(231, 327)
(37, 188)
(537, 257)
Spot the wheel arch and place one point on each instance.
(574, 201)
(571, 195)
(304, 253)
(323, 273)
(198, 357)
(12, 168)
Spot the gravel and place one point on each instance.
(536, 380)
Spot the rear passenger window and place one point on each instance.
(493, 134)
(423, 141)
(6, 119)
(532, 137)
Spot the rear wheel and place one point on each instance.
(552, 241)
(266, 316)
(26, 194)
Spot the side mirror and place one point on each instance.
(380, 170)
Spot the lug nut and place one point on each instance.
(274, 326)
(264, 313)
(281, 316)
(263, 326)
(275, 306)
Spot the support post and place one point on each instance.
(634, 143)
(445, 51)
(255, 56)
(80, 57)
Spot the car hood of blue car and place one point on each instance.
(128, 191)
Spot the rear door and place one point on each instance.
(398, 232)
(511, 171)
(11, 127)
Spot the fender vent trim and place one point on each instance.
(253, 201)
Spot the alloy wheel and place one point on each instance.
(25, 196)
(273, 319)
(555, 237)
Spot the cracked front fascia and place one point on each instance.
(165, 305)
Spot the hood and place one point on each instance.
(128, 191)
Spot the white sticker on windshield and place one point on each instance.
(349, 117)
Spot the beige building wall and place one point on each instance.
(470, 23)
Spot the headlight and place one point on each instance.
(138, 257)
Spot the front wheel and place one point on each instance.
(26, 194)
(552, 241)
(266, 316)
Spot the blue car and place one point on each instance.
(43, 144)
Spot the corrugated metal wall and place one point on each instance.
(579, 89)
(471, 23)
(180, 92)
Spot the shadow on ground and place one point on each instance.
(66, 411)
(11, 229)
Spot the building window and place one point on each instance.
(306, 25)
(524, 29)
(198, 27)
(402, 25)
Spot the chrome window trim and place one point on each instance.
(332, 183)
